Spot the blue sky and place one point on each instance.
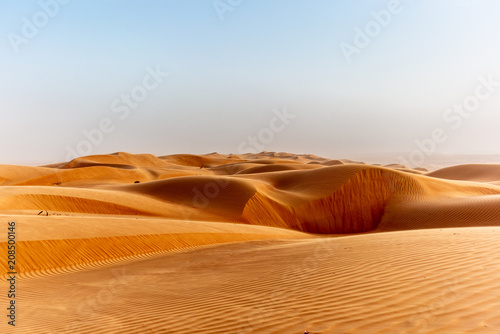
(228, 70)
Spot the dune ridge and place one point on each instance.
(268, 189)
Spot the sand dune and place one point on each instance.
(64, 249)
(475, 172)
(13, 174)
(233, 219)
(270, 190)
(428, 281)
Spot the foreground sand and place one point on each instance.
(425, 281)
(268, 243)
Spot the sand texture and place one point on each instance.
(252, 243)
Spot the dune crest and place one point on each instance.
(271, 189)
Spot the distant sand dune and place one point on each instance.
(475, 172)
(119, 158)
(343, 198)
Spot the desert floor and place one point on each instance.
(255, 243)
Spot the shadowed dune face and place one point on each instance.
(300, 192)
(222, 195)
(357, 206)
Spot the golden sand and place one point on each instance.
(255, 243)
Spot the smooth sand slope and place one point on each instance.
(252, 243)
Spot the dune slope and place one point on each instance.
(427, 281)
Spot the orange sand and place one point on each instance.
(254, 243)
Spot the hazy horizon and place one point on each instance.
(338, 80)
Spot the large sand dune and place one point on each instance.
(251, 218)
(427, 281)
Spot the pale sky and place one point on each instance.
(332, 78)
